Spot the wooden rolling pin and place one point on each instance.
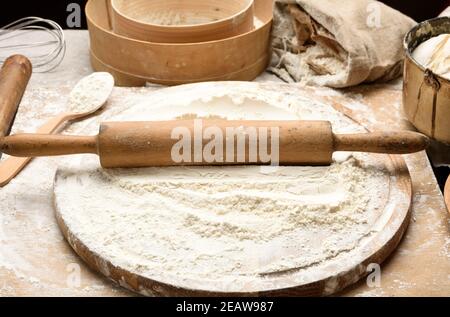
(144, 144)
(14, 77)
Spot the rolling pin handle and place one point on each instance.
(402, 142)
(14, 76)
(36, 145)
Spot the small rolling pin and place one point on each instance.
(145, 144)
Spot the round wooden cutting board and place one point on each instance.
(325, 278)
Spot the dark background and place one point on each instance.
(419, 10)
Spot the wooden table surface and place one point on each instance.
(36, 261)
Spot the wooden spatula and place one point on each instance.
(92, 102)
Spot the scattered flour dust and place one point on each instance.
(173, 17)
(229, 225)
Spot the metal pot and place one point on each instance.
(426, 95)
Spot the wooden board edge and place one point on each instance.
(447, 194)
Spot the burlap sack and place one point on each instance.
(337, 43)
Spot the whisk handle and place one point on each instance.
(14, 76)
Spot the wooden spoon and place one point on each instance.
(88, 96)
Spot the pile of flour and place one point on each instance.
(227, 225)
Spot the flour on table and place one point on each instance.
(228, 225)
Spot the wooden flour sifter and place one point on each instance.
(145, 144)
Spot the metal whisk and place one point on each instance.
(46, 52)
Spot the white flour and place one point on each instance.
(91, 92)
(228, 225)
(434, 54)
